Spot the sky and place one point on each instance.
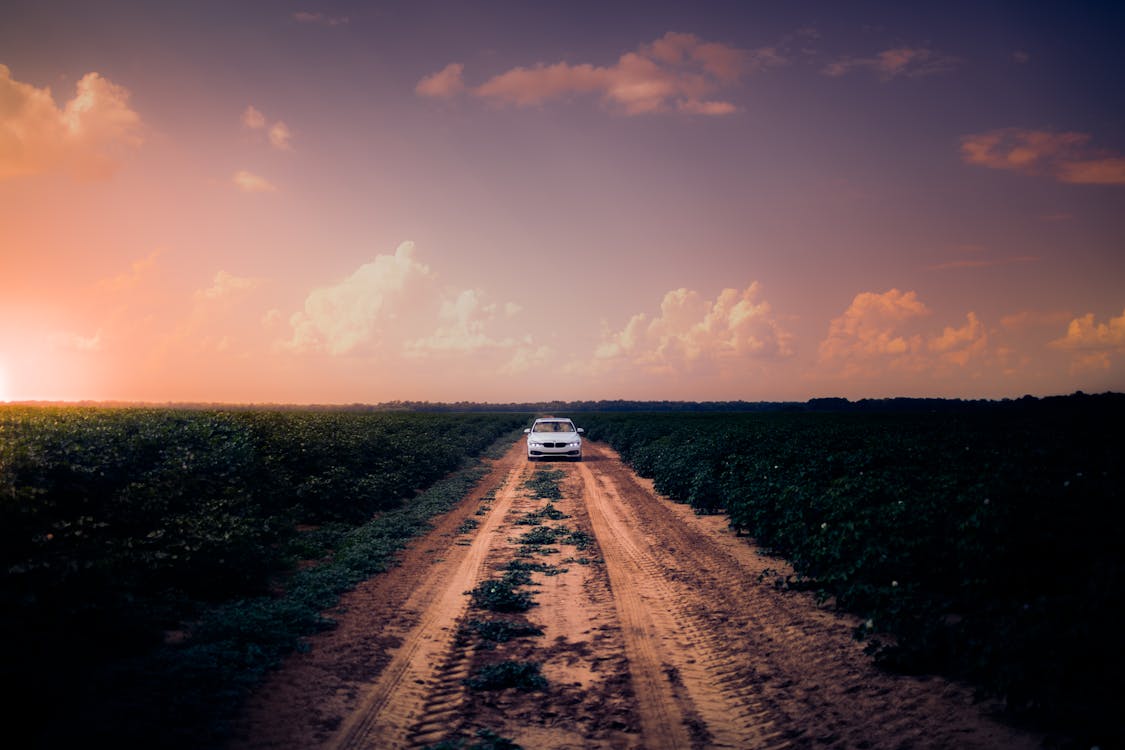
(321, 201)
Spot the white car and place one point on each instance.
(554, 436)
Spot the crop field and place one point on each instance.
(983, 545)
(141, 547)
(158, 563)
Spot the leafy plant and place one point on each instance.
(522, 675)
(500, 596)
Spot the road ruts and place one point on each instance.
(420, 690)
(664, 633)
(687, 682)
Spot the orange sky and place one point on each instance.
(367, 202)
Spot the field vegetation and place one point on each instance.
(982, 544)
(156, 562)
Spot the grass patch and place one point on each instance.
(545, 484)
(501, 631)
(501, 596)
(521, 675)
(531, 550)
(534, 567)
(540, 535)
(547, 513)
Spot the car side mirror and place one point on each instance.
(580, 429)
(527, 431)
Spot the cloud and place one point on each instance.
(527, 358)
(1064, 156)
(252, 118)
(1107, 171)
(462, 326)
(280, 137)
(676, 73)
(910, 62)
(692, 333)
(319, 19)
(252, 183)
(278, 134)
(86, 137)
(77, 342)
(1084, 334)
(959, 345)
(349, 316)
(884, 332)
(137, 271)
(981, 263)
(871, 329)
(226, 285)
(445, 83)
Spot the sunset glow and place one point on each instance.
(365, 202)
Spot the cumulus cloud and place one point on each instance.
(445, 83)
(1065, 156)
(884, 332)
(462, 328)
(86, 136)
(693, 333)
(349, 316)
(676, 73)
(252, 183)
(910, 62)
(957, 346)
(1091, 342)
(871, 329)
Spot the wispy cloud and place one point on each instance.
(86, 137)
(966, 263)
(252, 183)
(278, 134)
(909, 62)
(676, 73)
(226, 285)
(1065, 156)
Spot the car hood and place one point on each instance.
(554, 437)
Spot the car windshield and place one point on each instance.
(553, 427)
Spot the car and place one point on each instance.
(554, 436)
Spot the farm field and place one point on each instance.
(700, 580)
(156, 562)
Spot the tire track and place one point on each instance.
(398, 710)
(691, 691)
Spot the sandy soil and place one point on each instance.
(660, 634)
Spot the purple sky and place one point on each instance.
(338, 202)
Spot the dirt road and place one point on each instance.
(656, 632)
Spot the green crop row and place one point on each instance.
(983, 545)
(129, 533)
